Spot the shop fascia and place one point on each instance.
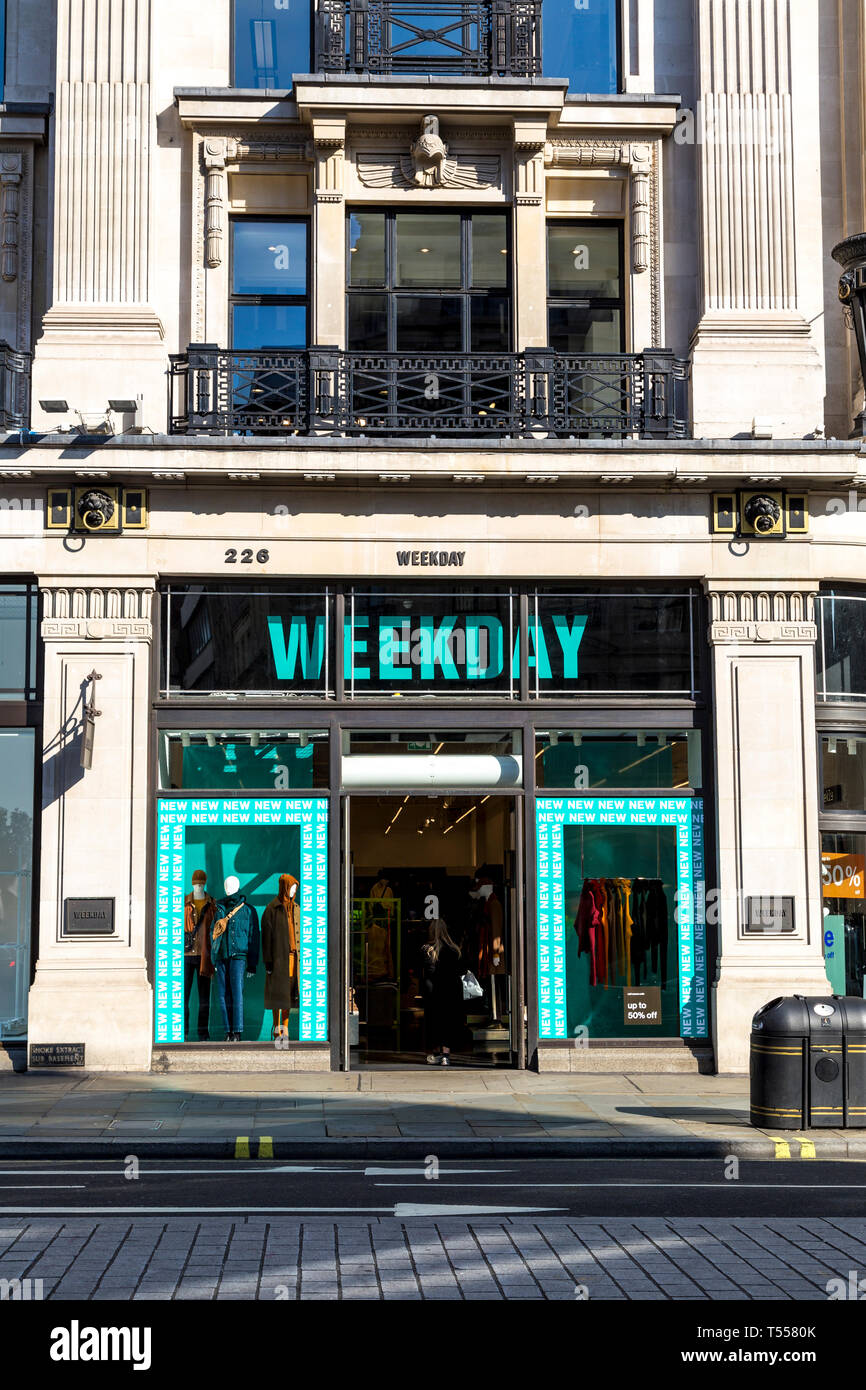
(391, 647)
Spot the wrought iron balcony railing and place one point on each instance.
(469, 38)
(14, 388)
(324, 391)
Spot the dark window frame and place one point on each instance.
(573, 301)
(466, 292)
(303, 301)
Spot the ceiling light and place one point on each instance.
(425, 250)
(184, 739)
(553, 737)
(254, 739)
(211, 740)
(831, 746)
(641, 739)
(303, 740)
(577, 739)
(852, 747)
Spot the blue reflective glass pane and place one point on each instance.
(269, 326)
(16, 849)
(269, 257)
(272, 41)
(579, 41)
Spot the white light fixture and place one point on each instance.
(831, 746)
(211, 740)
(641, 739)
(254, 739)
(184, 739)
(578, 739)
(304, 740)
(852, 747)
(553, 738)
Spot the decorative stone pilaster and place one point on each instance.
(95, 990)
(762, 640)
(530, 234)
(11, 170)
(329, 145)
(214, 160)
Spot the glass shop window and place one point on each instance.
(271, 42)
(270, 760)
(269, 288)
(17, 748)
(841, 649)
(843, 869)
(232, 639)
(580, 41)
(242, 920)
(585, 305)
(18, 641)
(594, 759)
(843, 764)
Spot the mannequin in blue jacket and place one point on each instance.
(235, 953)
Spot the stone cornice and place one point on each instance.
(96, 610)
(756, 612)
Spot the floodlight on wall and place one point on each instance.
(123, 407)
(54, 407)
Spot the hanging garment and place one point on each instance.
(588, 925)
(281, 929)
(650, 929)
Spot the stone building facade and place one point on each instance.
(302, 302)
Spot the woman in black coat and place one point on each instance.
(442, 992)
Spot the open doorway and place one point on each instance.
(414, 858)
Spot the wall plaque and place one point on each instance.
(57, 1054)
(769, 916)
(88, 917)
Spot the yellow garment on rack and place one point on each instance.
(624, 885)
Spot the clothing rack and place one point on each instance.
(620, 922)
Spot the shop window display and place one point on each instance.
(643, 758)
(621, 908)
(242, 920)
(259, 761)
(843, 871)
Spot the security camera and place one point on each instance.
(95, 509)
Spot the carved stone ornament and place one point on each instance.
(428, 165)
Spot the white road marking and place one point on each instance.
(432, 1209)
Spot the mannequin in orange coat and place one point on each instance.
(281, 933)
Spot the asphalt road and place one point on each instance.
(702, 1188)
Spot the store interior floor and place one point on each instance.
(414, 857)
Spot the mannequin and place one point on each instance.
(281, 935)
(234, 946)
(199, 910)
(491, 946)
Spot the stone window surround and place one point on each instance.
(622, 143)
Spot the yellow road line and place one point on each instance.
(266, 1146)
(242, 1146)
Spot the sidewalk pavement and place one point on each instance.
(393, 1114)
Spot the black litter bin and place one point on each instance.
(808, 1063)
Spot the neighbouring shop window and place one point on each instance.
(597, 758)
(269, 288)
(428, 282)
(621, 917)
(259, 866)
(271, 42)
(580, 41)
(843, 765)
(18, 641)
(843, 871)
(267, 639)
(841, 649)
(17, 752)
(195, 759)
(585, 305)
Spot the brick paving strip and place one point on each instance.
(153, 1258)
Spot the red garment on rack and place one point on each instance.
(591, 927)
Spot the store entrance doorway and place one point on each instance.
(414, 860)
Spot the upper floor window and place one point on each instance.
(270, 296)
(271, 42)
(429, 282)
(580, 41)
(585, 306)
(841, 651)
(18, 641)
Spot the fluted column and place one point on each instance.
(757, 135)
(104, 133)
